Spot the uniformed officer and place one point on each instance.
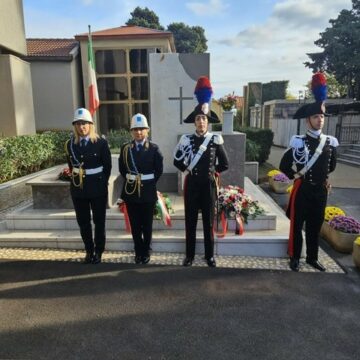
(89, 159)
(141, 165)
(201, 156)
(314, 156)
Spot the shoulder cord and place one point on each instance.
(79, 183)
(185, 152)
(301, 156)
(136, 183)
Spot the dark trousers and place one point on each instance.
(141, 221)
(83, 209)
(199, 195)
(310, 206)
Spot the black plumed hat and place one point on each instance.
(203, 93)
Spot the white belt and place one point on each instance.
(143, 176)
(89, 171)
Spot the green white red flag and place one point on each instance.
(94, 101)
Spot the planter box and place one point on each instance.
(278, 186)
(356, 255)
(340, 241)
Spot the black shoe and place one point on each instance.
(316, 264)
(145, 259)
(211, 262)
(294, 264)
(97, 258)
(138, 259)
(187, 261)
(88, 258)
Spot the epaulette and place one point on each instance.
(333, 141)
(184, 140)
(297, 141)
(218, 139)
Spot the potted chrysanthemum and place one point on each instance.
(356, 252)
(341, 232)
(279, 183)
(330, 212)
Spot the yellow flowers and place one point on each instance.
(357, 240)
(331, 211)
(272, 173)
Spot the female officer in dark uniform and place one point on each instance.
(201, 156)
(89, 159)
(141, 165)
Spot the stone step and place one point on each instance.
(348, 162)
(251, 243)
(347, 156)
(28, 218)
(353, 152)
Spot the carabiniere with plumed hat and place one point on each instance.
(314, 157)
(201, 156)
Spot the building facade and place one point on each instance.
(122, 70)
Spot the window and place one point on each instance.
(114, 117)
(110, 61)
(113, 88)
(123, 84)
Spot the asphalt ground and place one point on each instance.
(64, 310)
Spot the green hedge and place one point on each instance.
(116, 138)
(261, 137)
(23, 155)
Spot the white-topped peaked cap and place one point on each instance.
(139, 121)
(82, 114)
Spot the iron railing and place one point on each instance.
(348, 134)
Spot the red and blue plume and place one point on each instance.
(203, 90)
(318, 87)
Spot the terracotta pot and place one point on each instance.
(278, 186)
(356, 255)
(340, 241)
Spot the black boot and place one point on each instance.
(97, 258)
(88, 257)
(294, 264)
(187, 261)
(315, 264)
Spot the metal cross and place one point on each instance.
(181, 98)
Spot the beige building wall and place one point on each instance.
(16, 97)
(56, 88)
(12, 29)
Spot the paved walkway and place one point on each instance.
(170, 259)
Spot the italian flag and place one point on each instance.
(93, 90)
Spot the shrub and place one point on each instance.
(252, 150)
(262, 137)
(116, 138)
(23, 155)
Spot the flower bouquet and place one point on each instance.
(163, 208)
(228, 102)
(341, 232)
(233, 203)
(65, 175)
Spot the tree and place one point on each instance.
(145, 18)
(341, 50)
(188, 39)
(274, 90)
(334, 88)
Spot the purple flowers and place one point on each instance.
(345, 224)
(281, 177)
